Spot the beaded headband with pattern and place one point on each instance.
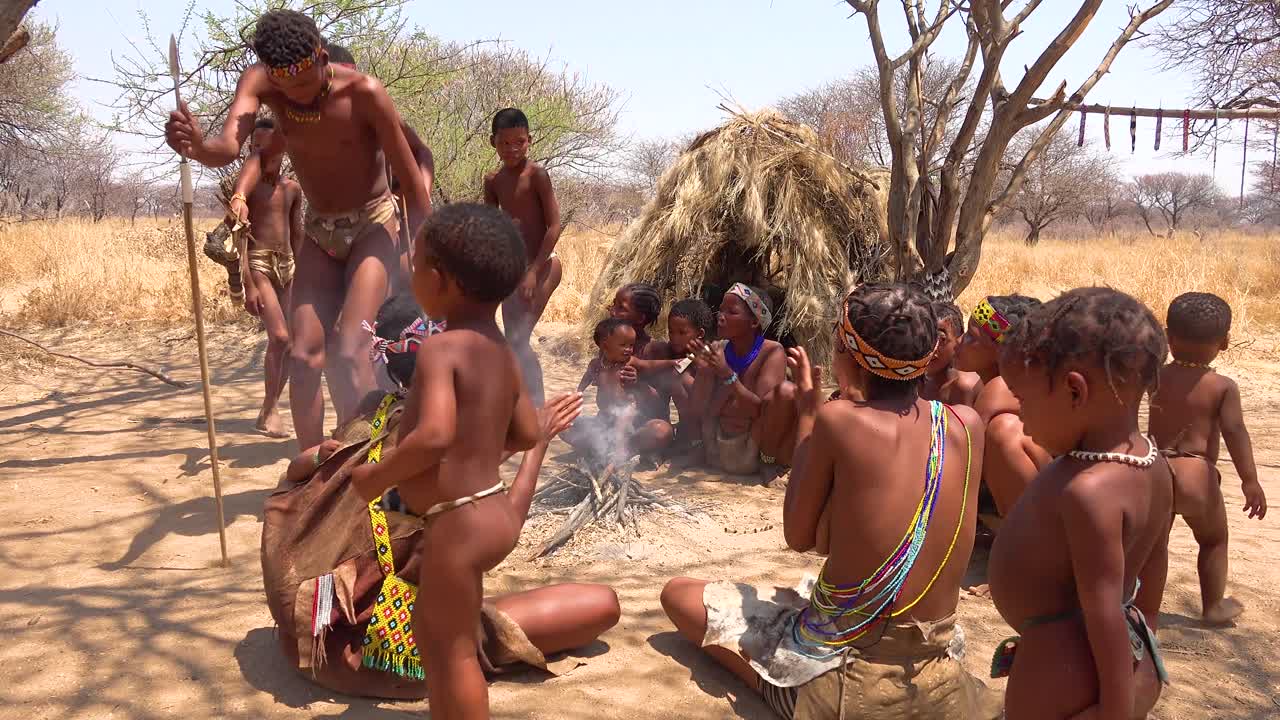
(754, 303)
(410, 338)
(993, 324)
(301, 66)
(876, 362)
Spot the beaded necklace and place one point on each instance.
(1193, 366)
(309, 114)
(872, 599)
(740, 364)
(1139, 462)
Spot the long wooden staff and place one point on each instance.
(197, 307)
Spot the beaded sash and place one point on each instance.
(389, 644)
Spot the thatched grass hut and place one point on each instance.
(756, 200)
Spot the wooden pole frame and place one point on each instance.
(1210, 114)
(197, 309)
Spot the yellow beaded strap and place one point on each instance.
(389, 644)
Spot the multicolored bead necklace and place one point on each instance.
(872, 600)
(309, 114)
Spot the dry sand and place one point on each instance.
(112, 602)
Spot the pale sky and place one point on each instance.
(673, 60)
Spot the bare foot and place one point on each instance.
(982, 591)
(1224, 612)
(775, 476)
(271, 425)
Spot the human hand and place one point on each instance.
(558, 414)
(182, 132)
(628, 374)
(808, 379)
(1255, 501)
(252, 299)
(327, 449)
(238, 212)
(526, 287)
(712, 357)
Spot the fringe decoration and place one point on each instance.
(1159, 126)
(1080, 141)
(1106, 128)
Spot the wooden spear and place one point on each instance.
(197, 307)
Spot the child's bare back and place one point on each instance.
(1194, 410)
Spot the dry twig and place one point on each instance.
(117, 365)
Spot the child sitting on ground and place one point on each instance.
(632, 418)
(943, 382)
(1065, 568)
(640, 306)
(467, 406)
(668, 365)
(1192, 408)
(1012, 457)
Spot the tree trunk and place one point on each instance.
(1033, 236)
(11, 14)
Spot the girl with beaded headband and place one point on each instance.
(1012, 458)
(885, 487)
(1079, 565)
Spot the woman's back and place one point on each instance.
(881, 458)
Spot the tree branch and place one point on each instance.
(123, 365)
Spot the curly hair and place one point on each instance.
(284, 37)
(1199, 317)
(508, 118)
(646, 301)
(698, 314)
(949, 312)
(605, 328)
(339, 54)
(1099, 326)
(897, 320)
(479, 247)
(396, 314)
(1013, 307)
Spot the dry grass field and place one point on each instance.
(57, 274)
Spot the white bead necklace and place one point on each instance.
(1134, 460)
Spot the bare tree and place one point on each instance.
(647, 160)
(34, 99)
(964, 211)
(1170, 197)
(1058, 182)
(846, 112)
(1231, 47)
(95, 180)
(1107, 196)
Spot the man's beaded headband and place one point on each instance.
(301, 66)
(876, 362)
(993, 324)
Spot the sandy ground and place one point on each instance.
(113, 604)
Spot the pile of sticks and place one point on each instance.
(586, 494)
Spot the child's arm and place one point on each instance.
(1095, 540)
(386, 124)
(550, 214)
(524, 430)
(812, 478)
(297, 230)
(184, 134)
(556, 417)
(422, 155)
(490, 195)
(252, 301)
(589, 375)
(309, 460)
(434, 433)
(1240, 446)
(651, 366)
